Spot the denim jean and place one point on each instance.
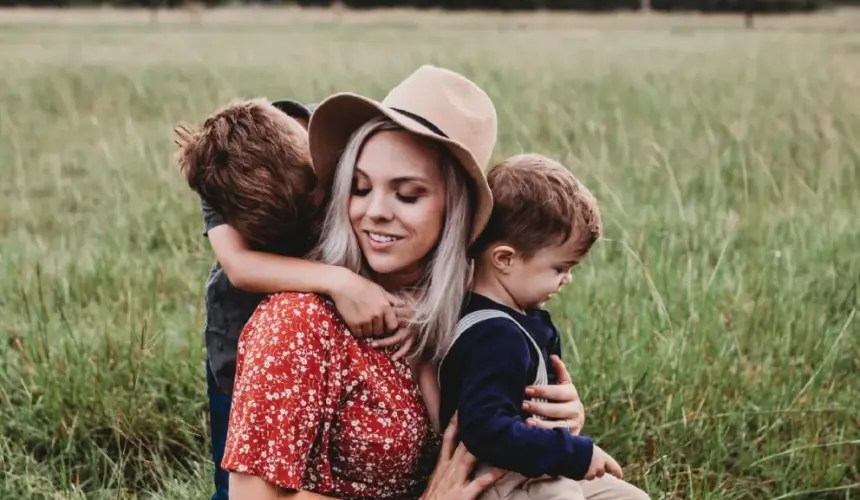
(219, 418)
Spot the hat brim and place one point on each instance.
(335, 119)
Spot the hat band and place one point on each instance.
(423, 121)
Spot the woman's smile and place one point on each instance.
(379, 241)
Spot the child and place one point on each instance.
(261, 204)
(544, 222)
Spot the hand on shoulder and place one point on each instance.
(366, 308)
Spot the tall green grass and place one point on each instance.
(713, 335)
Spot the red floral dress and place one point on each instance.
(317, 409)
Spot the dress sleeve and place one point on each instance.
(288, 383)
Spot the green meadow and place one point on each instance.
(713, 334)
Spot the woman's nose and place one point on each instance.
(379, 207)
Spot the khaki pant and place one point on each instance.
(514, 486)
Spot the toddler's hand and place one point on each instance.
(366, 308)
(602, 463)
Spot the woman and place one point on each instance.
(318, 412)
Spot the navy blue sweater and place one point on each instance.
(484, 377)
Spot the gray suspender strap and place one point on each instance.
(471, 319)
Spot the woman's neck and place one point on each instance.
(402, 282)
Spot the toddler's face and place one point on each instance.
(532, 282)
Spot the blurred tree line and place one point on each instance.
(740, 6)
(591, 5)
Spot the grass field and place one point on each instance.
(713, 335)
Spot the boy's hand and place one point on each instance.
(366, 308)
(405, 335)
(601, 463)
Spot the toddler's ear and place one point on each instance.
(502, 257)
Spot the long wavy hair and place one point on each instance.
(443, 283)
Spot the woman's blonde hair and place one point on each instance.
(442, 287)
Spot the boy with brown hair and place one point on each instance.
(251, 167)
(544, 222)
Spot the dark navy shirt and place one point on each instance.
(483, 378)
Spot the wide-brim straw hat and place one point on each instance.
(432, 102)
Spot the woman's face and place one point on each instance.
(397, 205)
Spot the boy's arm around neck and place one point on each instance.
(261, 272)
(365, 307)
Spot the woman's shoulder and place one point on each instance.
(289, 326)
(295, 298)
(299, 304)
(295, 313)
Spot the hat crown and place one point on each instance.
(453, 104)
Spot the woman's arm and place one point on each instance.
(450, 479)
(289, 378)
(246, 487)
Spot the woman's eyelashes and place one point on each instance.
(410, 197)
(411, 192)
